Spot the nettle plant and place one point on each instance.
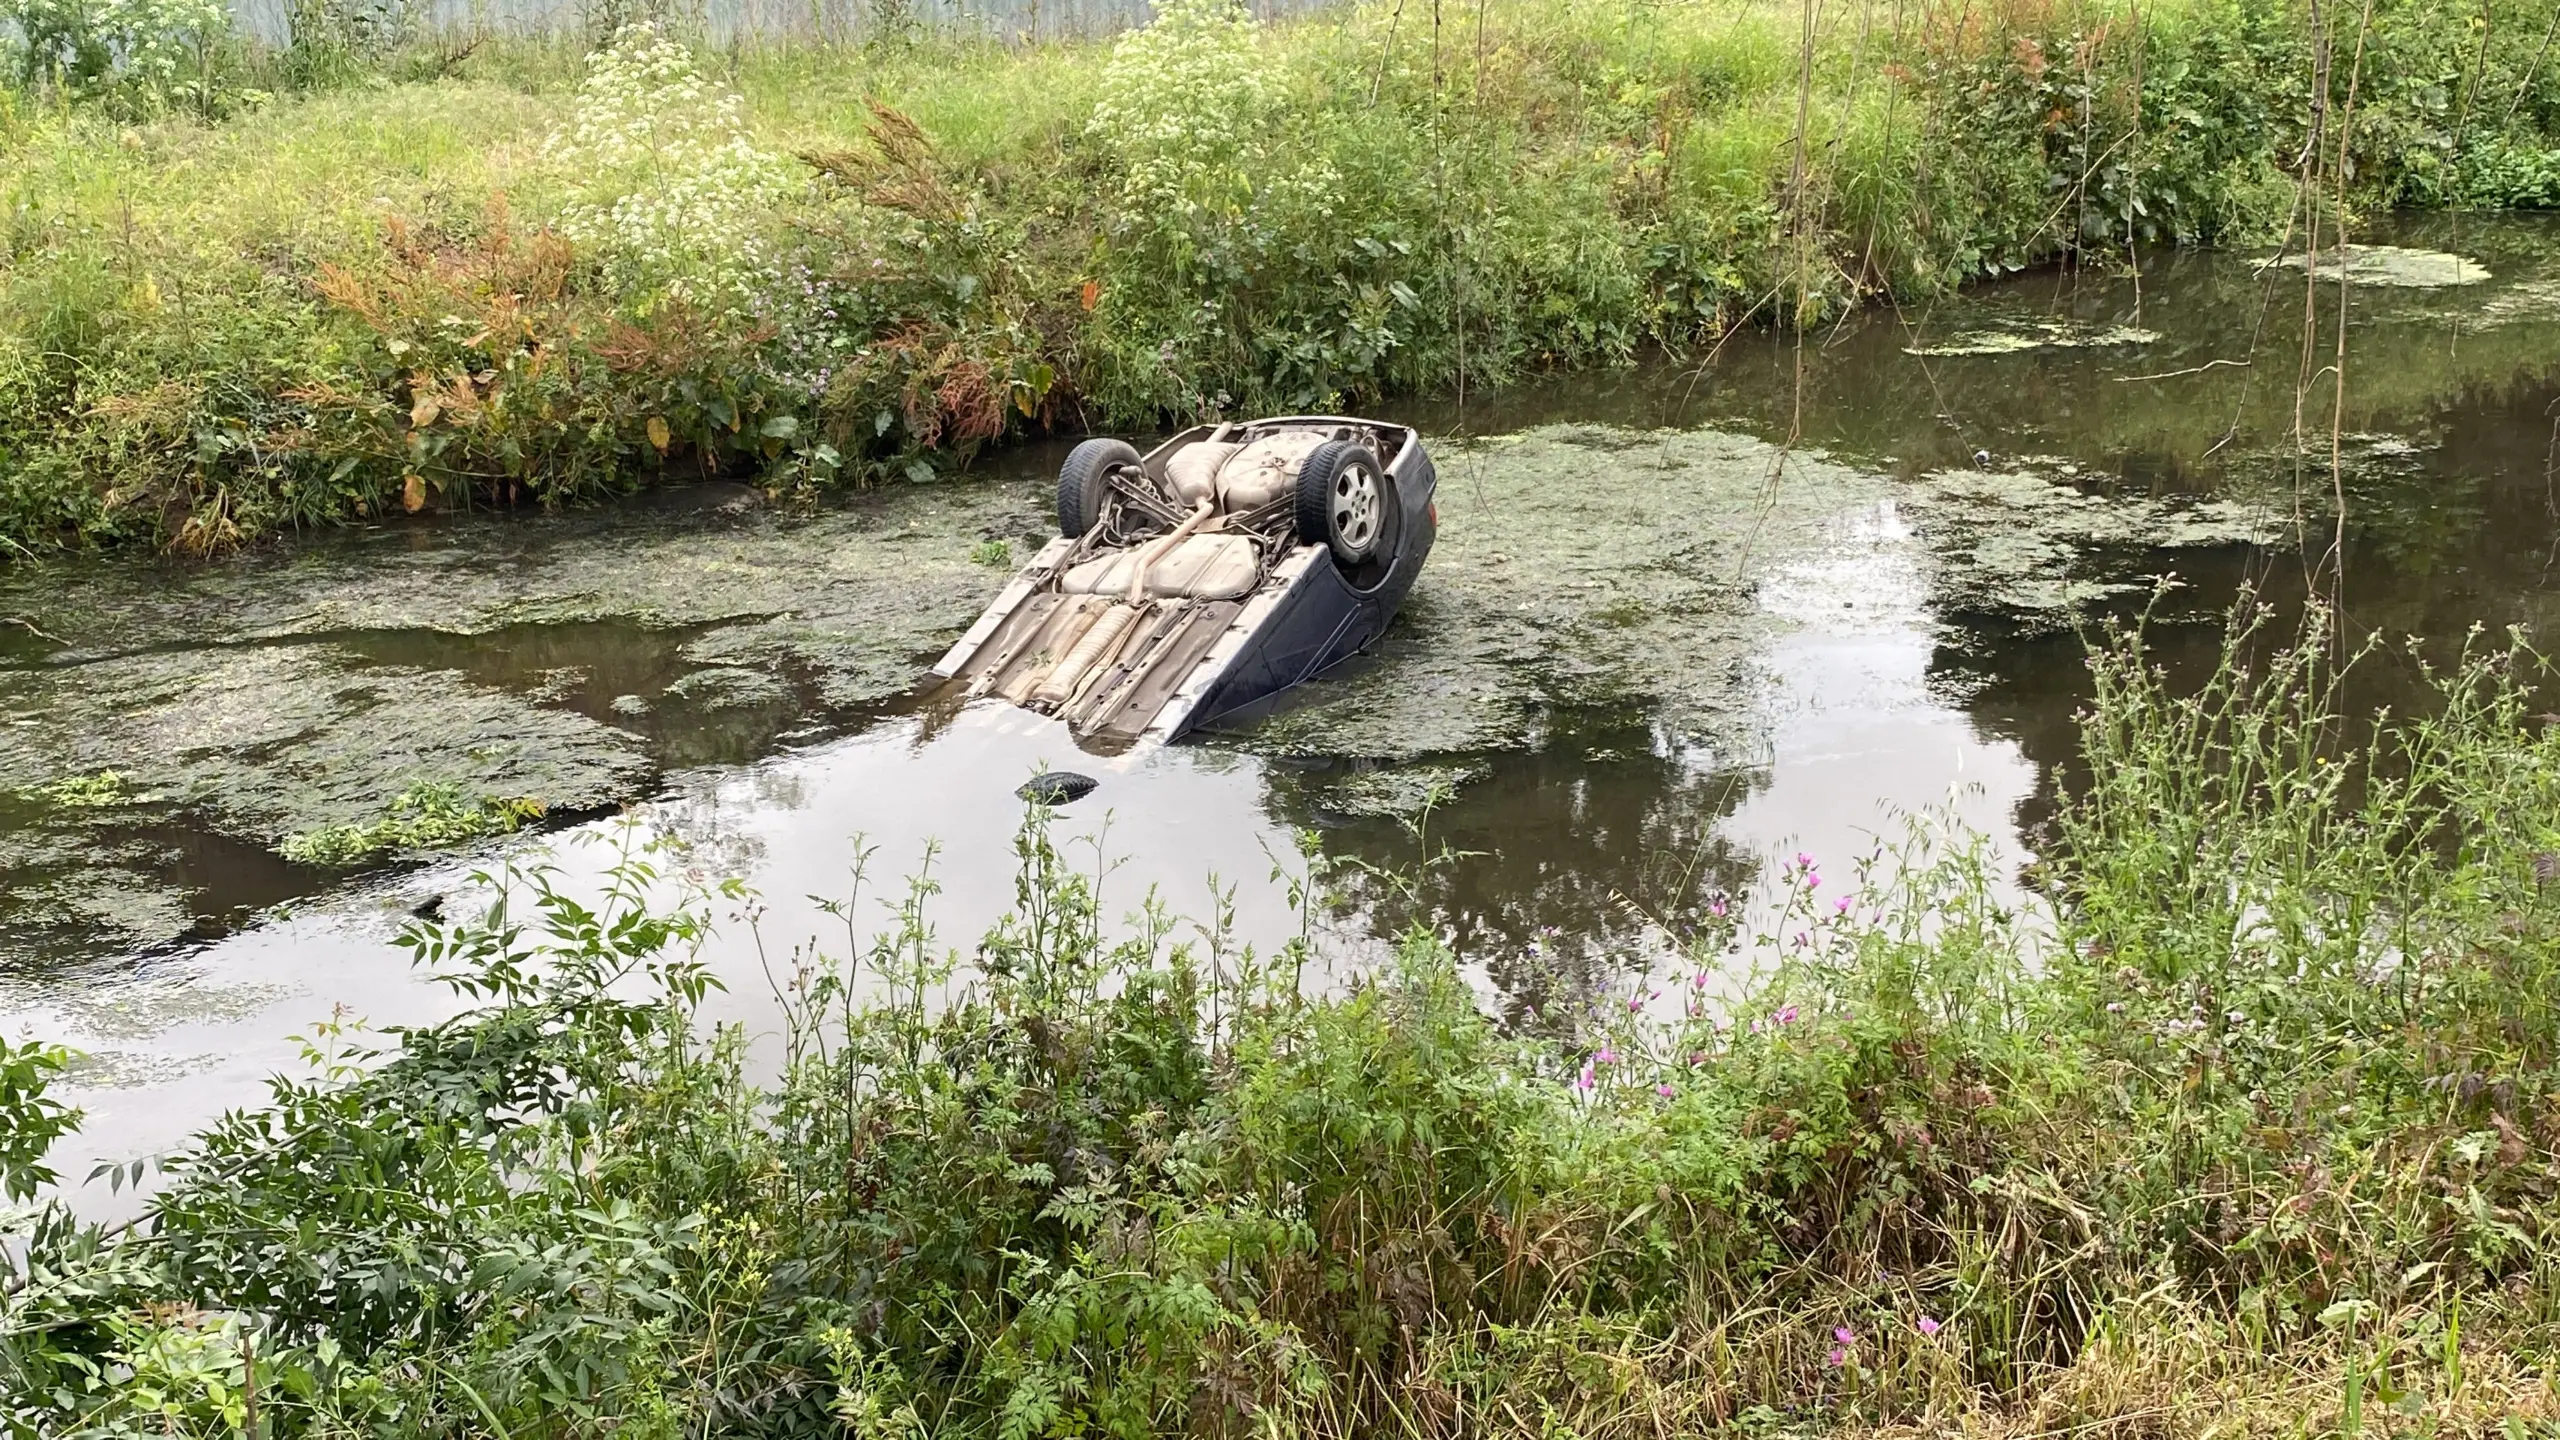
(666, 186)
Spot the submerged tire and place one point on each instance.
(1343, 495)
(1080, 484)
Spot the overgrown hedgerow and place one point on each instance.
(370, 272)
(2243, 1121)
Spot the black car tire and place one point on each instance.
(1080, 482)
(1343, 500)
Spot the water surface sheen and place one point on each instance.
(1683, 616)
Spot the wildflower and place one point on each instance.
(1837, 1358)
(1606, 1056)
(1586, 1079)
(1844, 1335)
(1716, 907)
(1812, 881)
(1697, 1057)
(1787, 1016)
(1803, 861)
(1841, 905)
(1665, 1091)
(1634, 1003)
(1928, 1325)
(1699, 980)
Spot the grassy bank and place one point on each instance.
(246, 289)
(2245, 1126)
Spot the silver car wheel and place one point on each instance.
(1355, 508)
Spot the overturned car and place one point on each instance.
(1195, 582)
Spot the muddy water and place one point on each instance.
(1683, 616)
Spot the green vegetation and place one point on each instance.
(245, 289)
(423, 817)
(85, 792)
(2248, 1122)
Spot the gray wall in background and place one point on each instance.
(724, 19)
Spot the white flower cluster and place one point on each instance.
(664, 180)
(1182, 103)
(154, 43)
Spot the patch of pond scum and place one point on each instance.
(2396, 267)
(276, 694)
(2016, 337)
(1581, 567)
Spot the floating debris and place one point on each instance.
(2014, 337)
(2393, 266)
(1057, 787)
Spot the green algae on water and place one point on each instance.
(2396, 267)
(2015, 337)
(2033, 548)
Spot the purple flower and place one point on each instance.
(1715, 907)
(1844, 1335)
(1787, 1016)
(1812, 881)
(1699, 980)
(1586, 1079)
(1928, 1325)
(1634, 1003)
(1837, 1358)
(1606, 1056)
(1841, 905)
(1803, 861)
(1665, 1091)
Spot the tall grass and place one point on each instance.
(2244, 1124)
(226, 309)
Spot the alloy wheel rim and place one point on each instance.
(1355, 507)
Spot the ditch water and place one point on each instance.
(1683, 617)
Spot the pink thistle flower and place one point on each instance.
(1844, 1335)
(1929, 1325)
(1837, 1358)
